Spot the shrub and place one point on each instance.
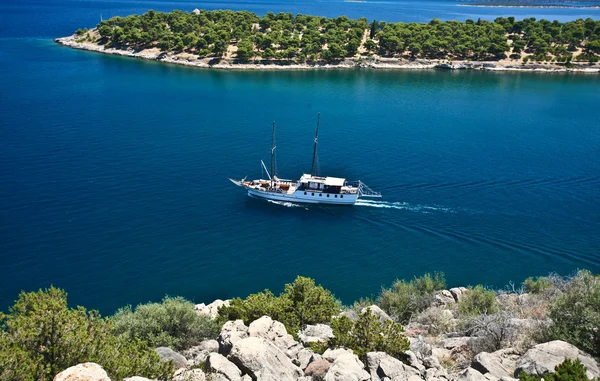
(568, 370)
(436, 319)
(576, 313)
(490, 332)
(301, 303)
(536, 285)
(404, 298)
(172, 323)
(478, 301)
(41, 336)
(368, 334)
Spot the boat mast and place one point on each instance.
(312, 170)
(273, 155)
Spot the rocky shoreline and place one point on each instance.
(264, 351)
(350, 63)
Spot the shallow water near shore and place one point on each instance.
(114, 176)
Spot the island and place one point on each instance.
(243, 40)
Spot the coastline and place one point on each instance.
(190, 60)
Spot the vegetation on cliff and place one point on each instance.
(41, 336)
(302, 38)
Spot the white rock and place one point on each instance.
(382, 365)
(189, 375)
(453, 342)
(443, 298)
(543, 358)
(304, 357)
(378, 312)
(219, 365)
(347, 367)
(313, 333)
(212, 309)
(88, 371)
(232, 332)
(331, 354)
(262, 360)
(275, 332)
(470, 374)
(167, 354)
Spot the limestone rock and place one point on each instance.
(245, 377)
(313, 333)
(189, 375)
(304, 357)
(88, 371)
(332, 354)
(198, 354)
(443, 298)
(232, 332)
(543, 358)
(222, 368)
(432, 362)
(381, 365)
(441, 353)
(500, 364)
(378, 312)
(212, 309)
(454, 342)
(317, 369)
(167, 354)
(412, 360)
(420, 347)
(262, 360)
(470, 374)
(137, 378)
(275, 332)
(347, 367)
(434, 374)
(458, 292)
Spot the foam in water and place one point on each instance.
(287, 204)
(402, 206)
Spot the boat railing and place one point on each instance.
(365, 191)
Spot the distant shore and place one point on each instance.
(530, 6)
(186, 59)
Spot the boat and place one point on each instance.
(310, 188)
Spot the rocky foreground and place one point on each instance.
(264, 350)
(191, 60)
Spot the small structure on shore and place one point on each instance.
(196, 11)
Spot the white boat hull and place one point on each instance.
(309, 198)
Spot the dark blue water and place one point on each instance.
(113, 172)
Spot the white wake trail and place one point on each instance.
(403, 206)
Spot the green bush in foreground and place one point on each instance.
(172, 323)
(41, 336)
(568, 370)
(576, 313)
(536, 285)
(478, 301)
(368, 334)
(301, 303)
(404, 298)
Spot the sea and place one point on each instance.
(114, 171)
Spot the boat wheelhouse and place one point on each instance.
(309, 189)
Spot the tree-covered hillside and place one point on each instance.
(247, 36)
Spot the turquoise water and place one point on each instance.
(114, 171)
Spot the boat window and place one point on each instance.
(313, 194)
(320, 194)
(341, 196)
(336, 196)
(327, 194)
(305, 193)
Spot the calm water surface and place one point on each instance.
(113, 172)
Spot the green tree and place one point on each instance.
(41, 336)
(368, 334)
(478, 300)
(404, 298)
(576, 313)
(172, 323)
(245, 51)
(301, 303)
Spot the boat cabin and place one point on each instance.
(321, 184)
